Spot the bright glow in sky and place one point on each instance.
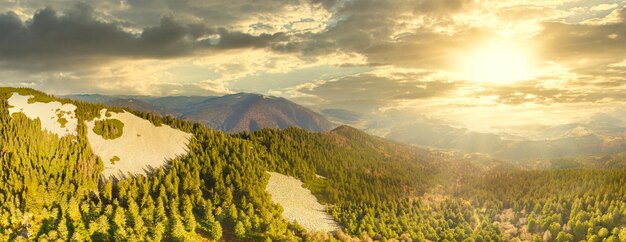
(481, 64)
(499, 62)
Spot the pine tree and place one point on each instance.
(135, 219)
(99, 229)
(119, 224)
(176, 228)
(547, 236)
(188, 216)
(62, 229)
(240, 230)
(215, 230)
(107, 190)
(160, 222)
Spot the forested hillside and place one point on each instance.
(229, 113)
(53, 189)
(593, 137)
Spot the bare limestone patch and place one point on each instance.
(299, 204)
(56, 117)
(142, 145)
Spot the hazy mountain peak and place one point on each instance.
(345, 128)
(231, 113)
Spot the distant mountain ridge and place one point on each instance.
(599, 136)
(229, 113)
(136, 104)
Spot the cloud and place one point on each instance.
(373, 90)
(442, 6)
(234, 15)
(585, 46)
(175, 47)
(581, 90)
(417, 34)
(604, 7)
(77, 39)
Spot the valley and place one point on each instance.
(59, 187)
(313, 120)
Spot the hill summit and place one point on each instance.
(229, 113)
(272, 184)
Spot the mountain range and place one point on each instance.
(229, 113)
(76, 171)
(602, 134)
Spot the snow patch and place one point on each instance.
(56, 117)
(142, 145)
(299, 204)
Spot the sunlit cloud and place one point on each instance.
(458, 61)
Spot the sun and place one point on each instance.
(497, 62)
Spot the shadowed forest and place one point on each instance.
(375, 189)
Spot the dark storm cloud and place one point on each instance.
(79, 36)
(230, 40)
(214, 12)
(51, 40)
(395, 33)
(144, 13)
(48, 35)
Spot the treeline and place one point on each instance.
(43, 177)
(109, 128)
(374, 185)
(556, 205)
(52, 189)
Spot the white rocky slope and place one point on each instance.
(56, 117)
(142, 145)
(299, 204)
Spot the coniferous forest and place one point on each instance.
(52, 189)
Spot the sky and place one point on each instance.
(483, 64)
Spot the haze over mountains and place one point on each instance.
(592, 137)
(313, 120)
(343, 184)
(602, 134)
(229, 113)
